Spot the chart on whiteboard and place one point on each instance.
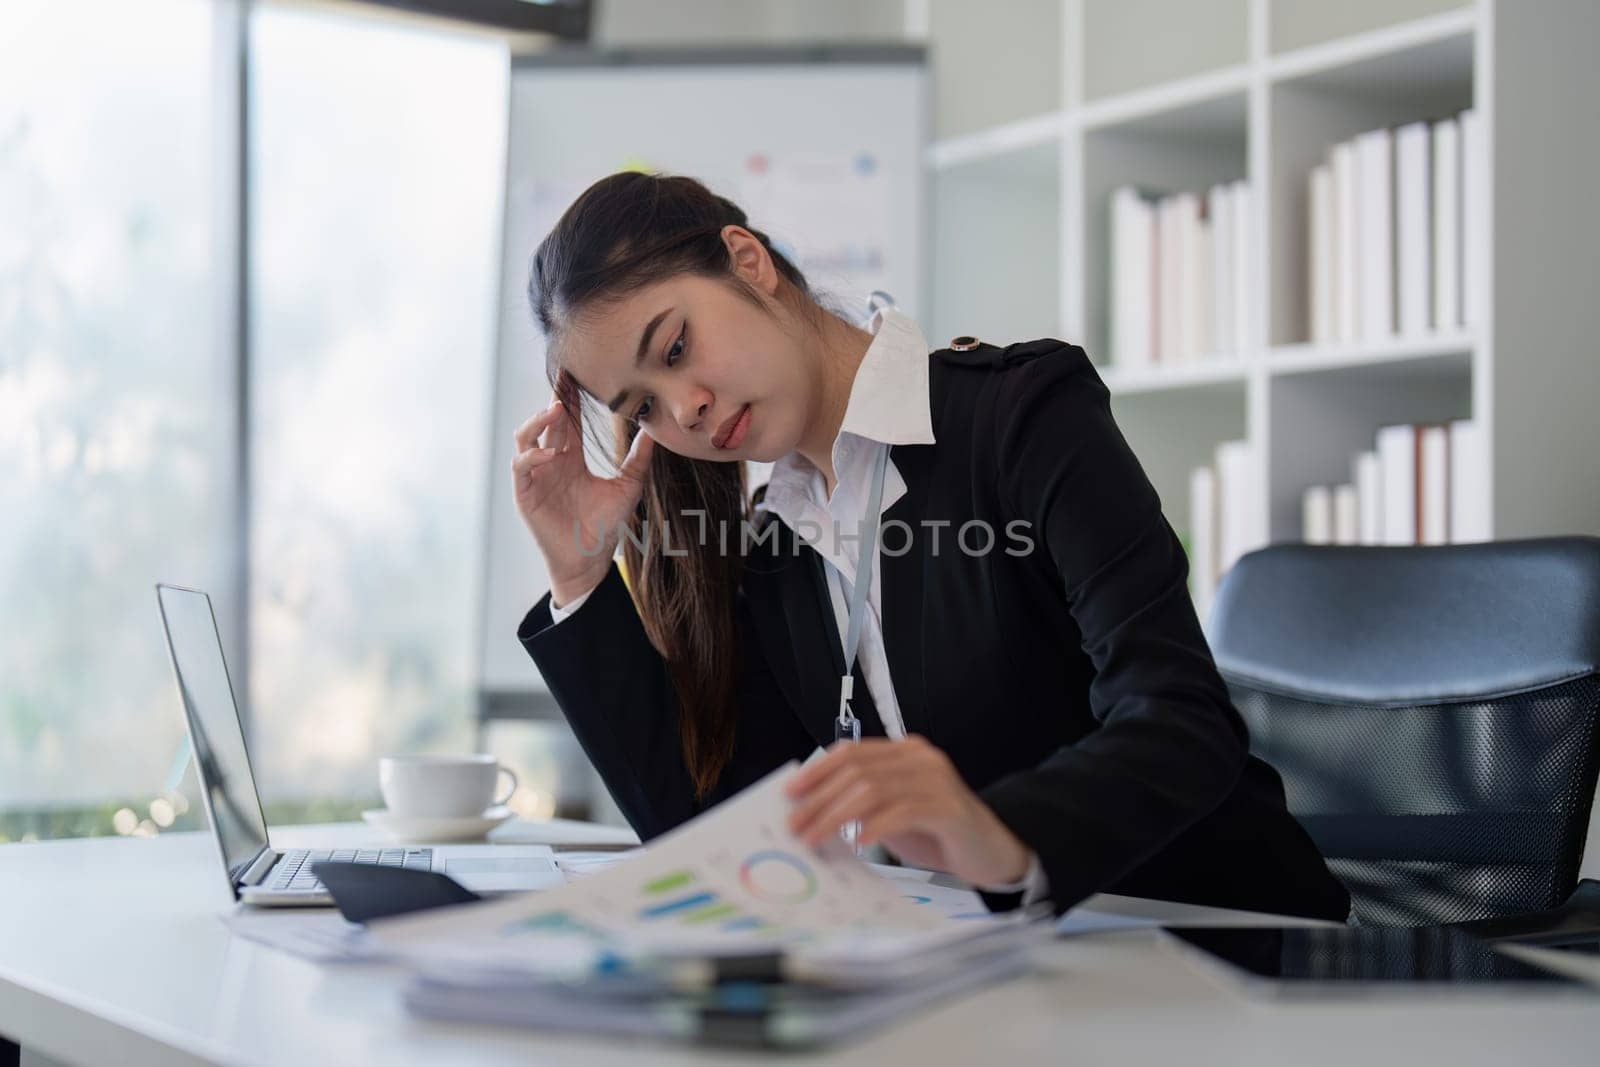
(735, 874)
(830, 212)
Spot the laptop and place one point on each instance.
(258, 873)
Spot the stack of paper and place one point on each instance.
(727, 928)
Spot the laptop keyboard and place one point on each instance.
(293, 871)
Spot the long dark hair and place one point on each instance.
(627, 231)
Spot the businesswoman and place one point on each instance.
(1039, 711)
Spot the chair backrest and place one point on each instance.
(1434, 713)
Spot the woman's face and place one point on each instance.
(700, 369)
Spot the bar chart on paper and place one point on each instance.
(765, 875)
(758, 882)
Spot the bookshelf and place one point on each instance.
(1260, 89)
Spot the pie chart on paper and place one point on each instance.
(778, 876)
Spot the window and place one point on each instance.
(377, 162)
(116, 416)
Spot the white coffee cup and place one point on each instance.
(442, 786)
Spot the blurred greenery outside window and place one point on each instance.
(116, 434)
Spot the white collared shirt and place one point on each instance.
(889, 405)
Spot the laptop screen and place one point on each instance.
(214, 729)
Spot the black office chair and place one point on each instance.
(1434, 713)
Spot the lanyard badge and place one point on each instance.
(846, 727)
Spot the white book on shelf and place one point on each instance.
(1473, 235)
(1241, 520)
(1242, 209)
(1202, 539)
(1131, 237)
(1152, 280)
(1398, 456)
(1219, 208)
(1413, 228)
(1316, 515)
(1435, 489)
(1320, 265)
(1181, 235)
(1375, 160)
(1346, 241)
(1198, 281)
(1346, 515)
(1446, 225)
(1368, 473)
(1117, 339)
(1469, 483)
(1186, 222)
(1170, 272)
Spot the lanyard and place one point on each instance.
(847, 726)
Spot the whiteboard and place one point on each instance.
(823, 149)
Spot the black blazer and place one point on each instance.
(1071, 685)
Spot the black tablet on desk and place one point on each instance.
(1339, 960)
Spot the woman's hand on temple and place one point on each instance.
(573, 515)
(908, 795)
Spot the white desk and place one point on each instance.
(111, 951)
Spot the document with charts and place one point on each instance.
(734, 879)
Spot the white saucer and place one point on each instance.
(429, 829)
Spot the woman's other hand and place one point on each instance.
(907, 795)
(573, 515)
